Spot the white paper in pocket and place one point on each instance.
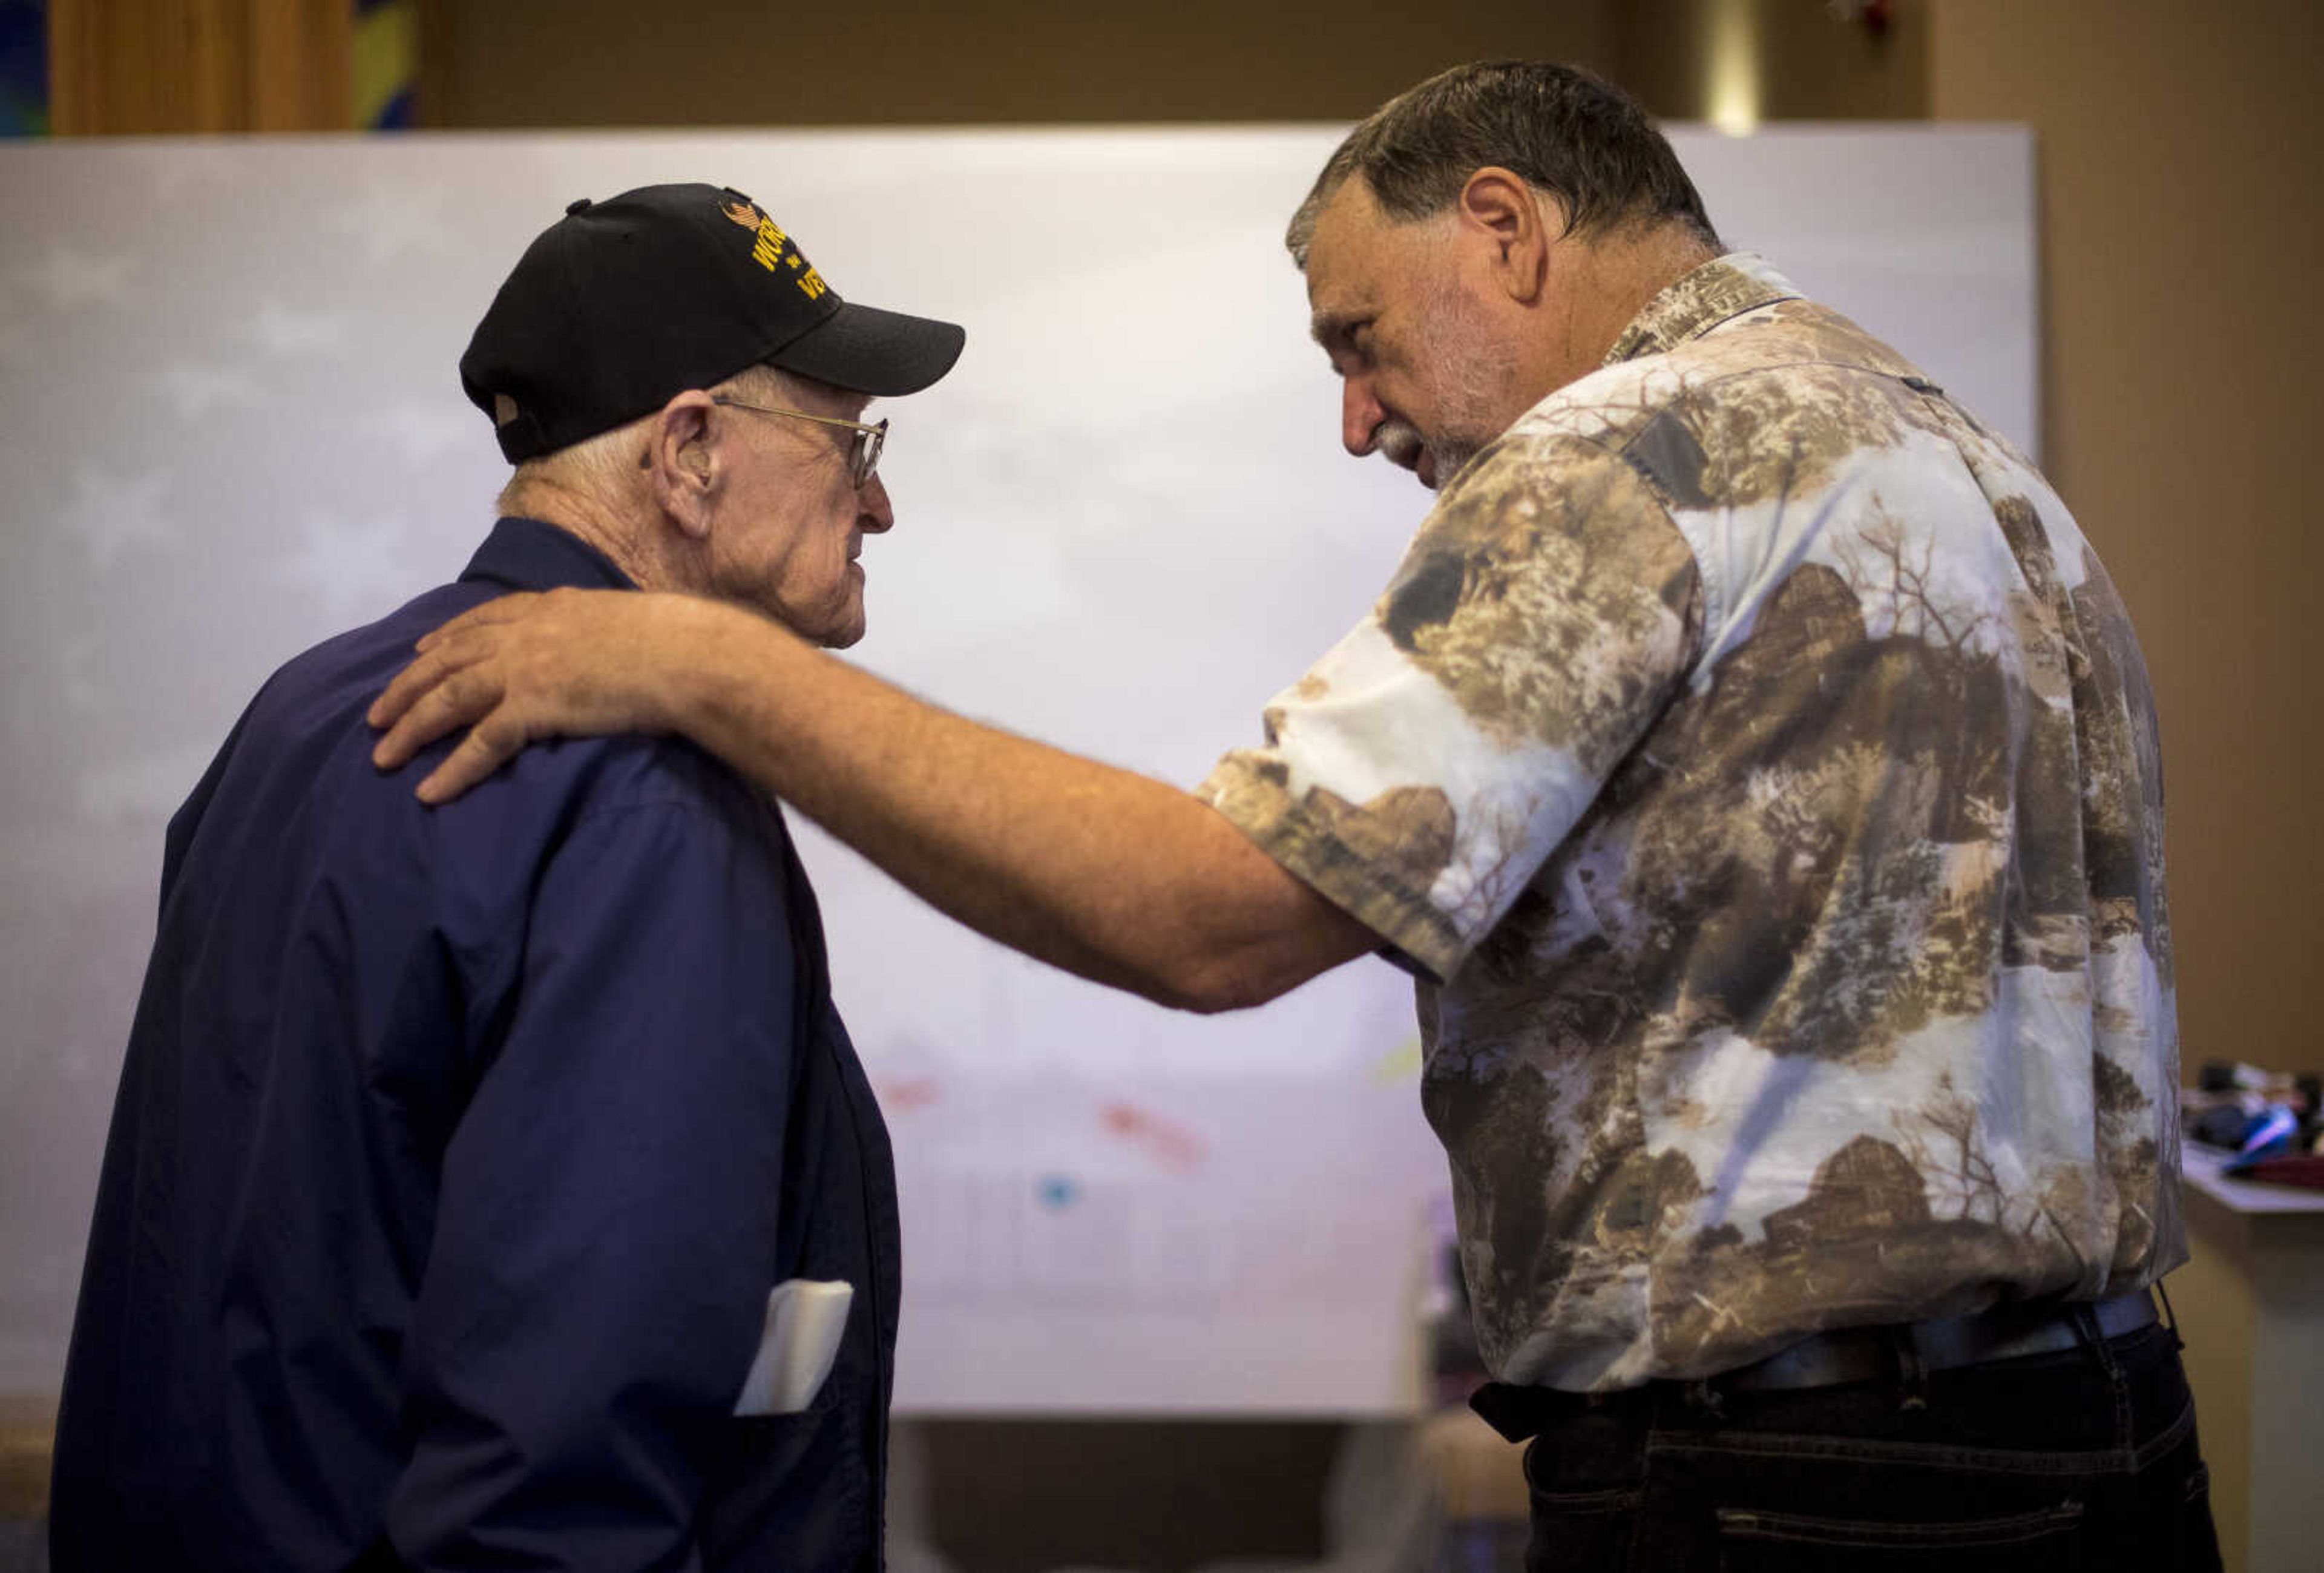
(805, 1319)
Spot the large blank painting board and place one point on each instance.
(234, 427)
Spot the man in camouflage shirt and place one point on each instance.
(1758, 770)
(1757, 750)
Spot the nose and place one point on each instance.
(874, 513)
(1360, 416)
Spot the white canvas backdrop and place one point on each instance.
(232, 427)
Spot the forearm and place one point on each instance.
(1100, 871)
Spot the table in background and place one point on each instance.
(2250, 1303)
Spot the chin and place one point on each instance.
(843, 631)
(835, 628)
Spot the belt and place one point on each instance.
(2002, 1332)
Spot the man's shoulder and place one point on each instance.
(363, 659)
(630, 775)
(1760, 368)
(305, 739)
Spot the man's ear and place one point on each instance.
(1501, 207)
(682, 452)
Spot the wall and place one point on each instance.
(130, 66)
(2180, 429)
(1738, 63)
(738, 62)
(538, 63)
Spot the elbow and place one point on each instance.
(1210, 970)
(1213, 985)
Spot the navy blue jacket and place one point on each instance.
(455, 1153)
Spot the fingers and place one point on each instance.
(503, 609)
(490, 743)
(441, 698)
(414, 680)
(482, 671)
(441, 651)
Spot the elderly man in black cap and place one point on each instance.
(497, 1184)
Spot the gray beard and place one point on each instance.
(1468, 367)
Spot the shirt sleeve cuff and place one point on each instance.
(1350, 854)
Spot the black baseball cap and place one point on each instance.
(622, 304)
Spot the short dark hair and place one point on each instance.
(1582, 140)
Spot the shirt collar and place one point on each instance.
(530, 554)
(1719, 291)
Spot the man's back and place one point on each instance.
(457, 1150)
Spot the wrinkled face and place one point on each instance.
(792, 526)
(1426, 378)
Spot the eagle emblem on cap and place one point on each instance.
(772, 245)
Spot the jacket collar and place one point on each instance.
(532, 554)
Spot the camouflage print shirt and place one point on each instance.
(1754, 753)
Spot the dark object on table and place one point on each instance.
(2221, 1126)
(2300, 1169)
(2215, 1076)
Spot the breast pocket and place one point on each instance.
(806, 1320)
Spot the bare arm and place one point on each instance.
(1102, 872)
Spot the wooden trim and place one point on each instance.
(127, 67)
(28, 1430)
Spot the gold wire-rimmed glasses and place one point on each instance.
(863, 456)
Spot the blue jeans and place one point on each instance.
(2081, 1459)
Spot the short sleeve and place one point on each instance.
(1421, 773)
